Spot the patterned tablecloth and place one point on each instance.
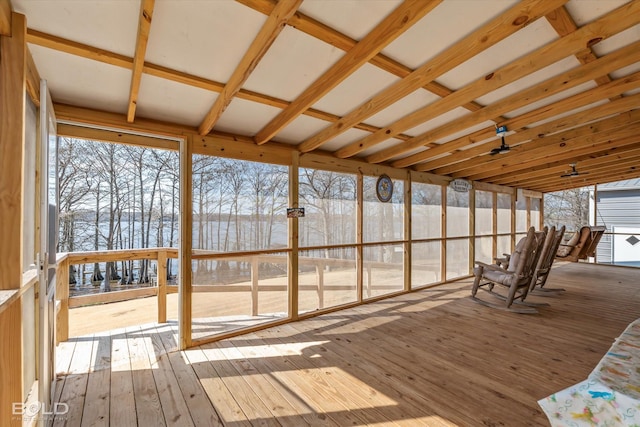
(611, 394)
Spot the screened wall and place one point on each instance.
(247, 264)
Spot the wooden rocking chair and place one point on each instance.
(581, 245)
(516, 277)
(545, 261)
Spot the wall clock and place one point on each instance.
(384, 188)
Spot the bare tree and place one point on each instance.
(569, 208)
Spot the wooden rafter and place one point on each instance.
(33, 80)
(551, 171)
(563, 23)
(5, 17)
(468, 158)
(144, 26)
(396, 23)
(479, 40)
(259, 47)
(457, 161)
(495, 168)
(628, 172)
(565, 150)
(333, 37)
(611, 24)
(546, 133)
(501, 78)
(96, 54)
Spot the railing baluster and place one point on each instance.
(62, 294)
(162, 286)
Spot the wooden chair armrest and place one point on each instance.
(491, 267)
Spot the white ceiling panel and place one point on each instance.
(344, 139)
(617, 41)
(203, 38)
(436, 32)
(364, 83)
(82, 82)
(245, 117)
(568, 113)
(300, 129)
(623, 72)
(294, 61)
(551, 99)
(339, 14)
(523, 42)
(466, 131)
(383, 145)
(530, 80)
(456, 113)
(585, 11)
(410, 103)
(107, 24)
(173, 102)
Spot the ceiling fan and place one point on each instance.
(574, 172)
(501, 131)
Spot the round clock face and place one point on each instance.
(384, 188)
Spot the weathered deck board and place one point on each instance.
(431, 358)
(122, 409)
(96, 408)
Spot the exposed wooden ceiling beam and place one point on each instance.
(614, 175)
(395, 24)
(488, 35)
(557, 179)
(144, 26)
(578, 150)
(539, 149)
(330, 36)
(585, 98)
(96, 54)
(33, 80)
(562, 21)
(504, 76)
(620, 19)
(569, 152)
(5, 17)
(455, 161)
(259, 47)
(550, 172)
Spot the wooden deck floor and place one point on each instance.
(430, 358)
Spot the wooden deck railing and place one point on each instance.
(160, 288)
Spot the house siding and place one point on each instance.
(617, 208)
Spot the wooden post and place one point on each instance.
(472, 228)
(407, 232)
(162, 286)
(254, 285)
(513, 221)
(443, 233)
(186, 246)
(320, 283)
(294, 179)
(528, 207)
(359, 248)
(62, 294)
(12, 115)
(494, 225)
(541, 216)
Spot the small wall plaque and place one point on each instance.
(460, 185)
(295, 212)
(384, 188)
